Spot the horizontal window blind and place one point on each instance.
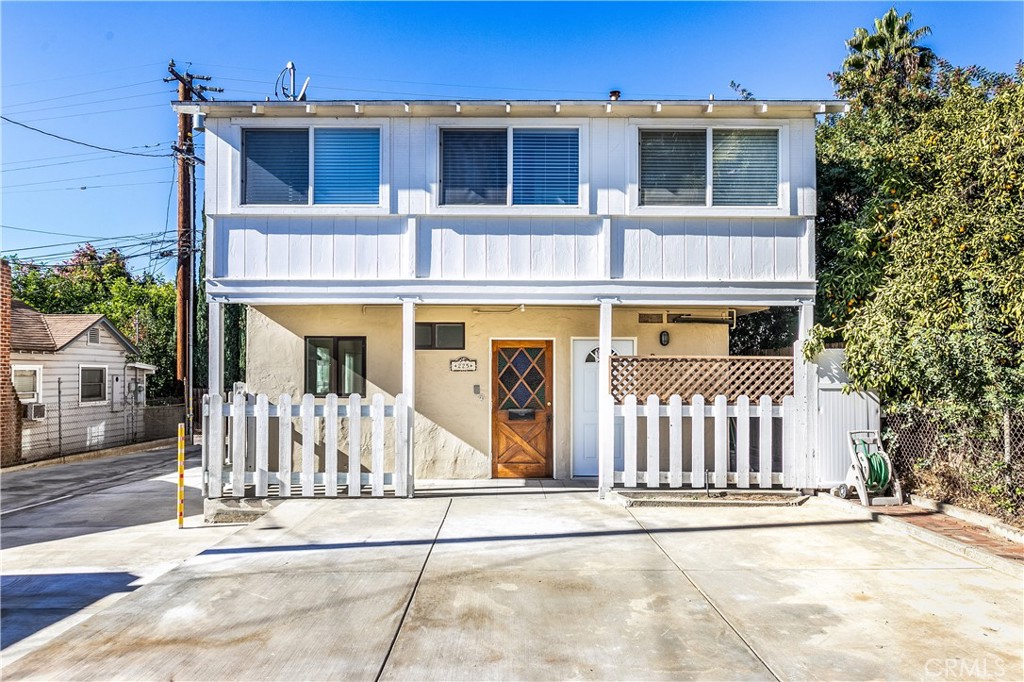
(745, 167)
(545, 167)
(673, 167)
(346, 166)
(276, 166)
(474, 167)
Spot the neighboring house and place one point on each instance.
(78, 387)
(486, 258)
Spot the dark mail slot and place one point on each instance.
(521, 415)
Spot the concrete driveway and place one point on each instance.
(546, 582)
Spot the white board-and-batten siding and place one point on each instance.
(608, 237)
(87, 425)
(510, 249)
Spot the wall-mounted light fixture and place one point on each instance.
(663, 338)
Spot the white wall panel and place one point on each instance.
(740, 249)
(345, 247)
(719, 258)
(300, 247)
(698, 249)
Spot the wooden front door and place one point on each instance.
(521, 409)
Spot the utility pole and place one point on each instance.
(184, 281)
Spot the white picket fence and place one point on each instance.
(725, 417)
(236, 442)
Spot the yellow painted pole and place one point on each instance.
(181, 475)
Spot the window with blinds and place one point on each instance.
(346, 166)
(276, 167)
(545, 167)
(474, 167)
(745, 168)
(673, 167)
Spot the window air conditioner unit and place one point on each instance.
(34, 411)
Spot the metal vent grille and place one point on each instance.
(94, 335)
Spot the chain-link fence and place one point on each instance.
(64, 424)
(958, 464)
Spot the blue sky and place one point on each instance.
(92, 72)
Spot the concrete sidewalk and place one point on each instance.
(543, 583)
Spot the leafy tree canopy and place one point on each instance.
(141, 307)
(921, 226)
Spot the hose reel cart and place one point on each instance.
(871, 472)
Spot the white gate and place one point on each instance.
(838, 414)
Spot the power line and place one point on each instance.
(59, 234)
(84, 144)
(83, 177)
(84, 187)
(94, 113)
(89, 103)
(80, 75)
(90, 240)
(73, 156)
(60, 163)
(77, 94)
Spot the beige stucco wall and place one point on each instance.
(453, 422)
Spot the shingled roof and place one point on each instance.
(33, 331)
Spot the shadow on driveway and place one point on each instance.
(521, 538)
(33, 602)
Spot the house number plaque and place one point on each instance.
(463, 364)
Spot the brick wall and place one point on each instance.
(10, 406)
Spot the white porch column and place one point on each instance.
(606, 420)
(805, 391)
(215, 380)
(409, 388)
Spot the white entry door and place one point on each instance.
(584, 405)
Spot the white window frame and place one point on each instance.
(106, 385)
(38, 369)
(781, 209)
(508, 209)
(234, 143)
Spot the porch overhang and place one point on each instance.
(463, 292)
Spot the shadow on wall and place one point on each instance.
(33, 602)
(439, 452)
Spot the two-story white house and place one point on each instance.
(487, 258)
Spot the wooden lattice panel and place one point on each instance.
(709, 377)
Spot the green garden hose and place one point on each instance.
(878, 469)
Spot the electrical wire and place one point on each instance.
(85, 187)
(89, 103)
(84, 144)
(80, 76)
(72, 156)
(94, 113)
(83, 177)
(77, 94)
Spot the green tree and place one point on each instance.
(887, 65)
(920, 227)
(141, 307)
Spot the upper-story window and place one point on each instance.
(544, 167)
(345, 163)
(743, 169)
